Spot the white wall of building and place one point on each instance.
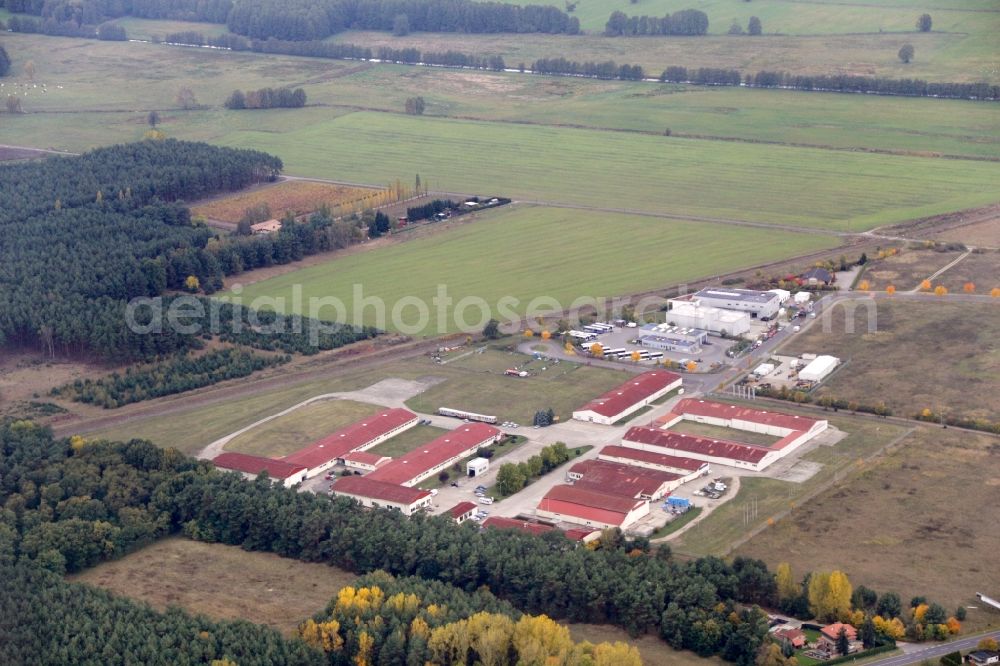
(405, 509)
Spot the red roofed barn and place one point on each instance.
(590, 507)
(364, 434)
(623, 480)
(437, 455)
(369, 492)
(251, 466)
(628, 398)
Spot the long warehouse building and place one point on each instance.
(437, 455)
(628, 398)
(323, 454)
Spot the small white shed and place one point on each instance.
(477, 466)
(802, 297)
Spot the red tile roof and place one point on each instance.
(726, 411)
(832, 631)
(365, 486)
(435, 452)
(366, 458)
(588, 504)
(498, 522)
(354, 436)
(682, 443)
(578, 533)
(461, 509)
(619, 479)
(675, 462)
(242, 462)
(635, 390)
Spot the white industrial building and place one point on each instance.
(687, 313)
(760, 304)
(782, 294)
(819, 368)
(672, 338)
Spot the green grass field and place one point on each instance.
(293, 431)
(762, 183)
(407, 440)
(104, 94)
(477, 384)
(792, 17)
(513, 253)
(567, 386)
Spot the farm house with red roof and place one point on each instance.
(628, 398)
(591, 507)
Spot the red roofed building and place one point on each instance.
(373, 493)
(462, 511)
(687, 468)
(829, 635)
(720, 451)
(497, 522)
(793, 430)
(738, 417)
(251, 466)
(795, 637)
(364, 460)
(585, 506)
(437, 455)
(324, 454)
(584, 534)
(624, 480)
(628, 398)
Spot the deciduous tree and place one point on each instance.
(924, 23)
(906, 53)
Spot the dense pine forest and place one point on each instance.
(300, 19)
(81, 236)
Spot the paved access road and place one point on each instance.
(932, 653)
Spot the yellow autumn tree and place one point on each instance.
(364, 653)
(829, 595)
(528, 333)
(954, 626)
(940, 290)
(607, 654)
(864, 285)
(323, 636)
(969, 287)
(76, 442)
(568, 348)
(691, 366)
(785, 581)
(636, 356)
(987, 643)
(925, 285)
(891, 289)
(893, 628)
(596, 349)
(539, 640)
(995, 292)
(920, 612)
(191, 283)
(546, 335)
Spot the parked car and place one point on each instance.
(486, 500)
